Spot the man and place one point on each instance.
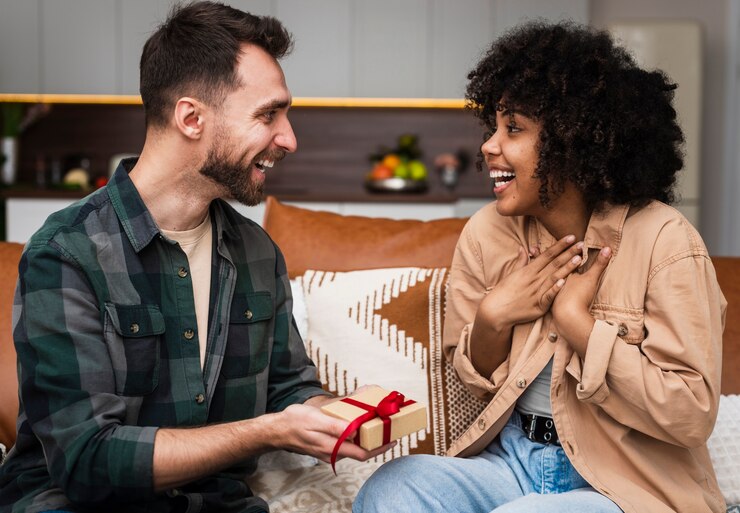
(156, 347)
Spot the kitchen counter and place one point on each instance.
(27, 209)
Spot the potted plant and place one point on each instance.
(16, 117)
(11, 128)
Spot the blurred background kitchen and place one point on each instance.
(377, 84)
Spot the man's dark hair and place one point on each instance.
(608, 126)
(194, 53)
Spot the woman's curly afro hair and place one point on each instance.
(607, 126)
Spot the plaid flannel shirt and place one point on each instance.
(107, 341)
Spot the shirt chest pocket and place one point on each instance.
(630, 323)
(250, 335)
(133, 336)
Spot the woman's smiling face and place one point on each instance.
(511, 154)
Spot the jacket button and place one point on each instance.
(481, 424)
(552, 336)
(248, 314)
(182, 272)
(622, 330)
(188, 334)
(200, 398)
(134, 328)
(521, 382)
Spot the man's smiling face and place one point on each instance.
(252, 131)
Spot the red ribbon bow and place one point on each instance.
(389, 405)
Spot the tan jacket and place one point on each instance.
(635, 413)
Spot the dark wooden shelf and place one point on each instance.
(360, 196)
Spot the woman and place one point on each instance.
(581, 306)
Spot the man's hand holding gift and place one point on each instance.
(378, 416)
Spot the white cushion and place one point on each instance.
(724, 448)
(384, 327)
(299, 307)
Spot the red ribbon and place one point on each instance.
(389, 405)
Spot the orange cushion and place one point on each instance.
(10, 254)
(331, 242)
(728, 276)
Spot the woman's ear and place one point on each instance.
(188, 117)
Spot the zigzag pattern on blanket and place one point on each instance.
(384, 326)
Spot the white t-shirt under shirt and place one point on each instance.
(197, 245)
(536, 398)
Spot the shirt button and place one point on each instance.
(188, 334)
(134, 328)
(552, 336)
(182, 272)
(248, 314)
(521, 382)
(481, 424)
(622, 330)
(200, 398)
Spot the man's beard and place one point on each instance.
(234, 176)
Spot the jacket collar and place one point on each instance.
(604, 229)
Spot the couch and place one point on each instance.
(369, 301)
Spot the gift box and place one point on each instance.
(381, 428)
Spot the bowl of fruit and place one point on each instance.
(398, 169)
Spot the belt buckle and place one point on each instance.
(545, 423)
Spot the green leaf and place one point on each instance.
(12, 116)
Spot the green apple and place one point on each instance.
(402, 171)
(417, 170)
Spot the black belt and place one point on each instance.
(540, 429)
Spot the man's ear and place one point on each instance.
(188, 117)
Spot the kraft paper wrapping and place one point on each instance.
(410, 419)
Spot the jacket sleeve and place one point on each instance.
(293, 376)
(667, 386)
(466, 289)
(67, 389)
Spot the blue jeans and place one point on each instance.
(512, 475)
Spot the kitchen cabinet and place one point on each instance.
(344, 48)
(321, 63)
(78, 46)
(20, 42)
(137, 20)
(454, 52)
(23, 216)
(390, 51)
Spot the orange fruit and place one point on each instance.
(391, 161)
(381, 172)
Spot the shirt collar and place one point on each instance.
(138, 223)
(224, 227)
